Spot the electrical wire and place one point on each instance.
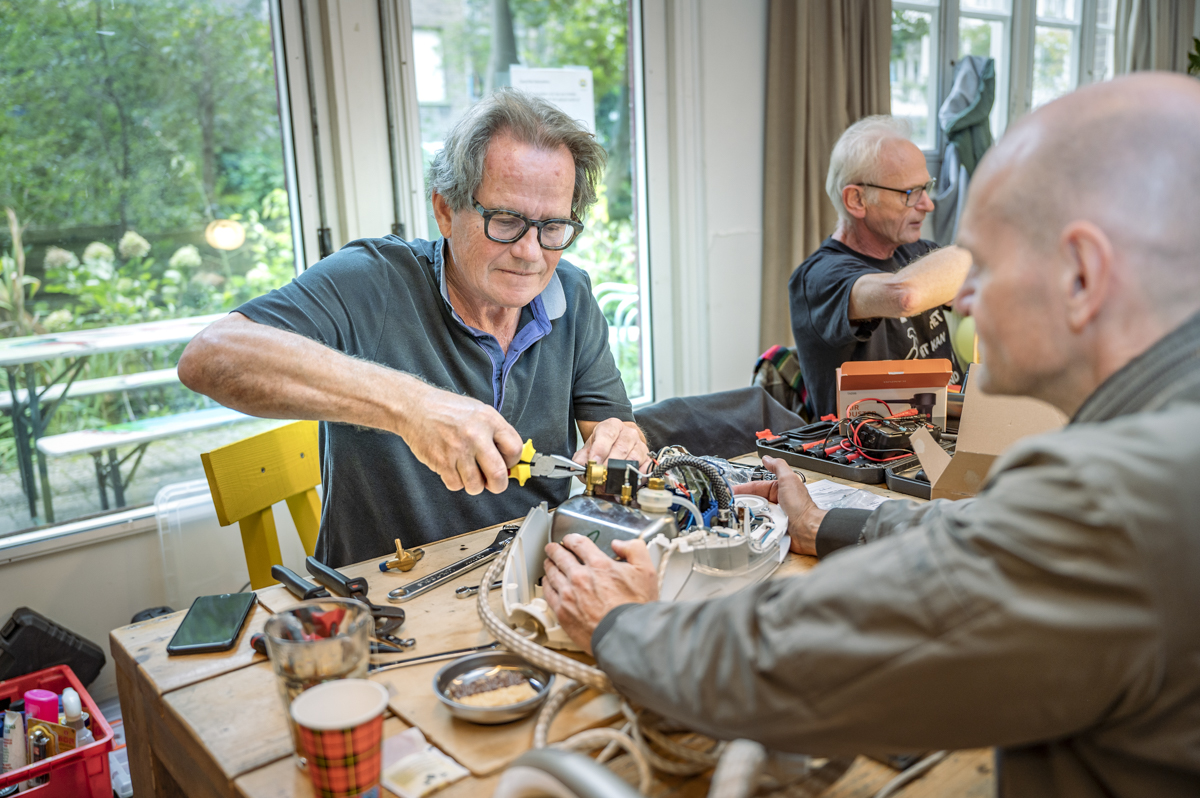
(697, 516)
(911, 774)
(852, 405)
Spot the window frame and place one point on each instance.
(1014, 80)
(1077, 55)
(1003, 68)
(942, 41)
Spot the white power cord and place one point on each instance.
(637, 735)
(911, 774)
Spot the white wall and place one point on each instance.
(734, 81)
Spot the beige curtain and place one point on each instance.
(827, 66)
(1154, 34)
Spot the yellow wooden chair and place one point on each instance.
(249, 476)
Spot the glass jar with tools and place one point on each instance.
(317, 641)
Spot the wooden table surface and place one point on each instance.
(213, 725)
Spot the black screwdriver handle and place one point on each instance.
(337, 582)
(297, 585)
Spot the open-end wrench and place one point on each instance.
(426, 583)
(466, 591)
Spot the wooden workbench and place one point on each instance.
(213, 725)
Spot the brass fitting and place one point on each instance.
(595, 476)
(404, 560)
(656, 483)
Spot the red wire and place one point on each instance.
(861, 451)
(868, 399)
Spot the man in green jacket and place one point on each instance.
(1052, 616)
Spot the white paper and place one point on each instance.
(413, 768)
(570, 88)
(830, 495)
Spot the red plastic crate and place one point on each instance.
(79, 773)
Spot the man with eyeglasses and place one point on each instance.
(461, 349)
(874, 290)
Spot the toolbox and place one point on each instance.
(30, 642)
(788, 447)
(908, 476)
(78, 773)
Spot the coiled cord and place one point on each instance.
(719, 487)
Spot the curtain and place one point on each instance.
(827, 67)
(1153, 34)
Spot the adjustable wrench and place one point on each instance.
(469, 563)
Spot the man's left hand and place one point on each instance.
(583, 584)
(789, 492)
(612, 439)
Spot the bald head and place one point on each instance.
(1084, 223)
(1123, 154)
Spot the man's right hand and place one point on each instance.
(788, 491)
(274, 373)
(467, 443)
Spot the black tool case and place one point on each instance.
(901, 476)
(31, 642)
(787, 446)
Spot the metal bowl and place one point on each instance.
(474, 667)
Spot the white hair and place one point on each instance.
(855, 157)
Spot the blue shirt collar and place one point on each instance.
(553, 300)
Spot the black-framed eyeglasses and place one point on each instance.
(911, 195)
(505, 227)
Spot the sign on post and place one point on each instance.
(570, 88)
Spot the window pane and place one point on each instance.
(1058, 9)
(128, 131)
(911, 73)
(985, 5)
(427, 64)
(1053, 64)
(1106, 12)
(1103, 66)
(476, 57)
(986, 38)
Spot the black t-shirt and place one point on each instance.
(382, 300)
(819, 292)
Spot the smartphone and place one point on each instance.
(212, 624)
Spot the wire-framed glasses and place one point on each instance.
(911, 195)
(505, 227)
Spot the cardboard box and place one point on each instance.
(989, 426)
(897, 382)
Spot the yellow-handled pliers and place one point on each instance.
(535, 464)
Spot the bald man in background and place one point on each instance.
(1053, 615)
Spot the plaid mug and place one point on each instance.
(341, 736)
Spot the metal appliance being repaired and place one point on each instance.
(704, 541)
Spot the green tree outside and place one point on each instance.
(125, 128)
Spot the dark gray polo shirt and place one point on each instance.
(384, 300)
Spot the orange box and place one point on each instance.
(989, 426)
(903, 384)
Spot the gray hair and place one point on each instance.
(855, 157)
(457, 169)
